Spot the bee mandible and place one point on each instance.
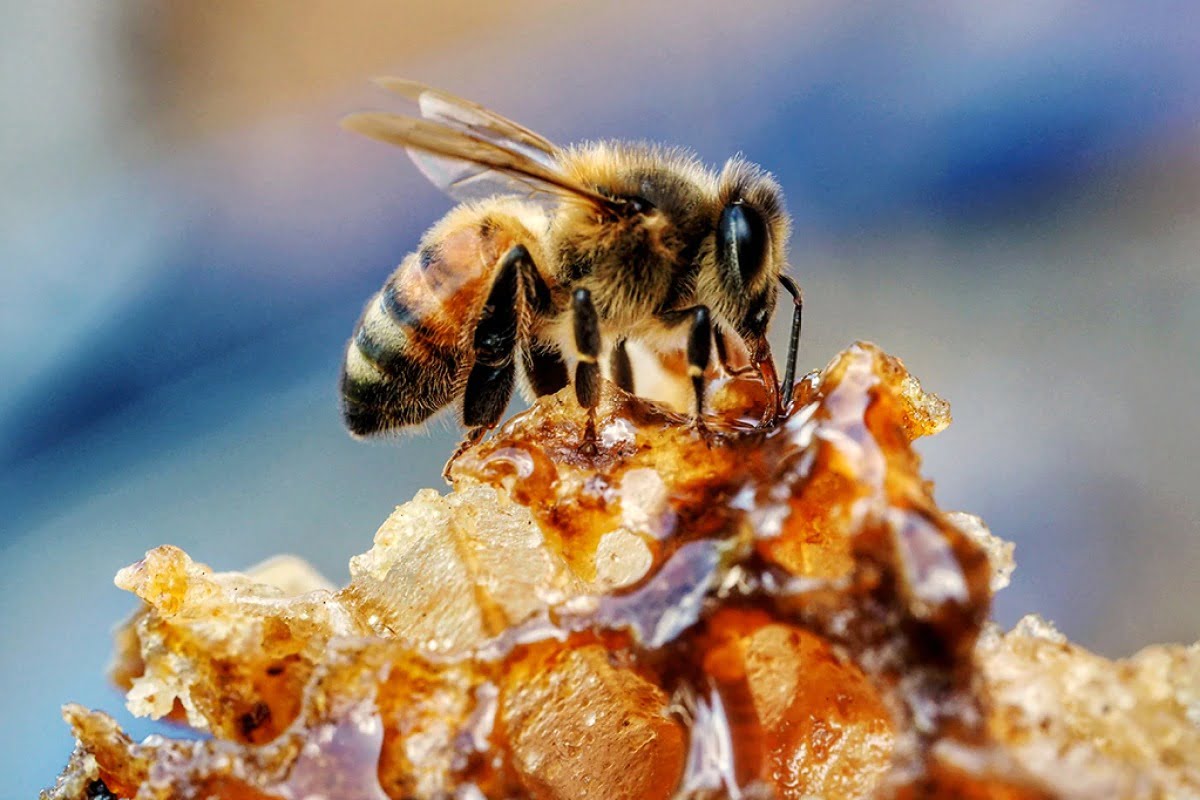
(554, 262)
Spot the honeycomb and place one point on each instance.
(632, 606)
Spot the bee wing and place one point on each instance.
(469, 165)
(472, 118)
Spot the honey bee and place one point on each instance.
(556, 260)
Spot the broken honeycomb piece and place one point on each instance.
(580, 723)
(652, 611)
(199, 630)
(447, 574)
(1083, 724)
(804, 717)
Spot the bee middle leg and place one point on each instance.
(622, 367)
(586, 323)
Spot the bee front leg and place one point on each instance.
(699, 349)
(789, 370)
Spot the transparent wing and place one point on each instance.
(472, 118)
(470, 152)
(465, 166)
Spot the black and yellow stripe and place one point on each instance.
(395, 372)
(437, 316)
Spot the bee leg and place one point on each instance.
(789, 370)
(622, 368)
(537, 292)
(490, 382)
(699, 349)
(587, 345)
(473, 437)
(542, 363)
(544, 369)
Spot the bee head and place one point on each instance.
(748, 250)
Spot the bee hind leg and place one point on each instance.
(544, 368)
(490, 382)
(472, 438)
(491, 379)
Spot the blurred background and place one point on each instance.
(1005, 195)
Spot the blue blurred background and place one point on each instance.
(1005, 195)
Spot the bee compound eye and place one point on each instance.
(742, 241)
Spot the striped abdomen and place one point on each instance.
(411, 351)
